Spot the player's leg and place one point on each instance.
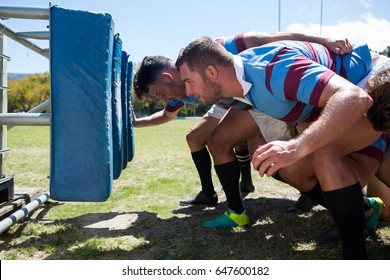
(235, 127)
(196, 140)
(376, 188)
(244, 159)
(383, 173)
(365, 163)
(341, 187)
(380, 188)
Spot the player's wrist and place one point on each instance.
(300, 146)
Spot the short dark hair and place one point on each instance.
(203, 52)
(147, 74)
(379, 90)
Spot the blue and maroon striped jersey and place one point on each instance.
(288, 77)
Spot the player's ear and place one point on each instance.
(212, 72)
(166, 76)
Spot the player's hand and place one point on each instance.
(340, 46)
(269, 158)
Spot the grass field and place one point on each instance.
(143, 220)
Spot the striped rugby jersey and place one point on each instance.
(288, 77)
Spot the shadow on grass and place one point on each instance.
(272, 234)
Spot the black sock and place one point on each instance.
(315, 194)
(244, 160)
(203, 165)
(366, 203)
(229, 176)
(346, 208)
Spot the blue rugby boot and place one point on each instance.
(377, 206)
(228, 219)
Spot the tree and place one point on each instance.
(27, 93)
(386, 51)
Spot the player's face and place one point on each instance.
(163, 90)
(201, 88)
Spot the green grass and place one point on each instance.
(143, 220)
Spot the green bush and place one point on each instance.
(28, 92)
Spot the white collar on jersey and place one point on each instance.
(239, 68)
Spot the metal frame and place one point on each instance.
(3, 98)
(21, 37)
(35, 116)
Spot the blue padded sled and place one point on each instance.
(117, 139)
(81, 135)
(131, 149)
(125, 109)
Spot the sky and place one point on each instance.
(155, 27)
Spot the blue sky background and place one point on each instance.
(153, 27)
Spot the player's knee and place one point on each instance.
(302, 181)
(384, 176)
(241, 147)
(194, 140)
(318, 158)
(219, 144)
(190, 137)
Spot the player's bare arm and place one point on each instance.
(157, 118)
(338, 46)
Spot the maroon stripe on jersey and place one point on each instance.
(240, 44)
(270, 68)
(331, 61)
(235, 102)
(314, 114)
(230, 103)
(373, 152)
(294, 75)
(223, 105)
(294, 114)
(171, 109)
(342, 73)
(312, 51)
(319, 87)
(386, 138)
(331, 57)
(247, 107)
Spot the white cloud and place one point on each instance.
(367, 29)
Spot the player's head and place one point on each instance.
(198, 65)
(379, 90)
(147, 73)
(158, 79)
(201, 53)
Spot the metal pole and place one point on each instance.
(13, 34)
(321, 17)
(279, 15)
(39, 35)
(24, 211)
(34, 119)
(24, 12)
(41, 107)
(38, 109)
(3, 97)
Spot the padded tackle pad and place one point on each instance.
(117, 138)
(131, 149)
(81, 52)
(125, 108)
